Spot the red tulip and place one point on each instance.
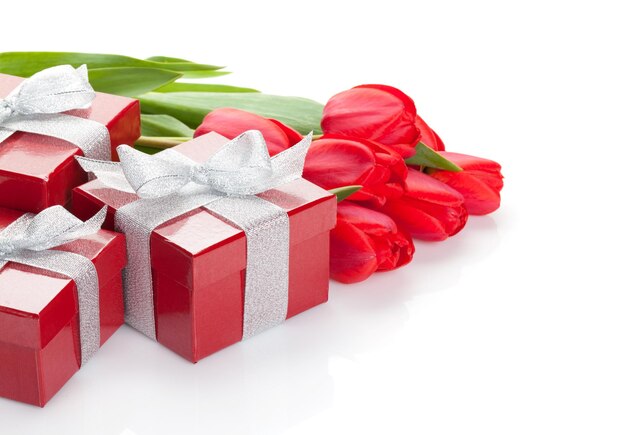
(430, 209)
(380, 113)
(365, 241)
(336, 162)
(232, 122)
(480, 182)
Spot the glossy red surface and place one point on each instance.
(198, 260)
(39, 347)
(42, 169)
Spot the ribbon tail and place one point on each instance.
(109, 173)
(80, 229)
(289, 164)
(94, 223)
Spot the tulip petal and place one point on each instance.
(493, 180)
(480, 198)
(370, 221)
(407, 248)
(338, 162)
(480, 182)
(470, 163)
(429, 137)
(369, 197)
(405, 150)
(451, 218)
(418, 223)
(439, 143)
(374, 112)
(352, 256)
(408, 102)
(394, 251)
(292, 135)
(424, 187)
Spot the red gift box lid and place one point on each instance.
(36, 304)
(199, 248)
(27, 159)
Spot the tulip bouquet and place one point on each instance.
(390, 171)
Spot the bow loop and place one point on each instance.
(289, 164)
(53, 90)
(154, 176)
(52, 227)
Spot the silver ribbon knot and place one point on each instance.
(37, 106)
(29, 240)
(170, 184)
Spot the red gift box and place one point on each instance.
(42, 168)
(39, 329)
(198, 260)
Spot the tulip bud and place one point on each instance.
(365, 241)
(429, 209)
(480, 182)
(380, 113)
(230, 123)
(337, 161)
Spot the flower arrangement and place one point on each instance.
(391, 172)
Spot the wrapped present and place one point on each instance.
(44, 122)
(60, 298)
(223, 242)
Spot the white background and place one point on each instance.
(516, 325)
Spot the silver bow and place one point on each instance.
(170, 184)
(37, 106)
(241, 167)
(29, 240)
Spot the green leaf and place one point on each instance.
(202, 87)
(166, 59)
(190, 68)
(426, 156)
(130, 82)
(163, 125)
(343, 192)
(191, 107)
(200, 74)
(27, 63)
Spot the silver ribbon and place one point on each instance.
(169, 184)
(36, 106)
(29, 240)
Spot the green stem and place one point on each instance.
(161, 142)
